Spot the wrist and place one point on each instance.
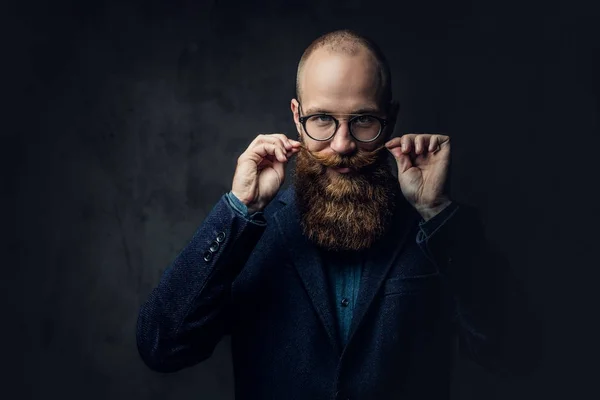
(253, 209)
(251, 206)
(429, 211)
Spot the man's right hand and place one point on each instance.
(260, 170)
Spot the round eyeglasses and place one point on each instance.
(363, 128)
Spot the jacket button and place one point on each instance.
(345, 302)
(220, 237)
(207, 256)
(214, 247)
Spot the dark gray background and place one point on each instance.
(123, 121)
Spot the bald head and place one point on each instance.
(350, 44)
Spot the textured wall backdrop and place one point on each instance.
(126, 118)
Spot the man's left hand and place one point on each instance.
(423, 163)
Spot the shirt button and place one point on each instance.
(220, 237)
(345, 302)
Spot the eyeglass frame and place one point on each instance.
(383, 122)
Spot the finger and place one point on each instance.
(294, 143)
(284, 139)
(420, 143)
(443, 141)
(263, 149)
(395, 151)
(277, 139)
(286, 143)
(266, 162)
(280, 152)
(407, 142)
(402, 160)
(433, 143)
(393, 143)
(270, 138)
(404, 163)
(266, 149)
(279, 149)
(279, 169)
(294, 150)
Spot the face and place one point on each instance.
(342, 176)
(339, 84)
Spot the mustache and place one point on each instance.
(358, 160)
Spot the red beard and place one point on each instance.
(343, 212)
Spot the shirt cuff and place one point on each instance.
(428, 228)
(241, 209)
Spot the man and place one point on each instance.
(352, 283)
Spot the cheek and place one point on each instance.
(314, 146)
(322, 149)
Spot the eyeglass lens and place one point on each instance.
(363, 127)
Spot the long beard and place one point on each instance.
(345, 212)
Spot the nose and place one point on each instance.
(343, 143)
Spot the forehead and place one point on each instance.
(340, 82)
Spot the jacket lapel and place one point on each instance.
(309, 264)
(379, 259)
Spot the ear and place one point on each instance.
(295, 108)
(392, 116)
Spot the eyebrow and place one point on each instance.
(366, 110)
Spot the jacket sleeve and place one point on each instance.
(189, 311)
(489, 302)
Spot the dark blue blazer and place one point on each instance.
(265, 286)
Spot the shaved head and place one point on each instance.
(349, 43)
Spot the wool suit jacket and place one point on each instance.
(266, 287)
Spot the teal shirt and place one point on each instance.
(344, 272)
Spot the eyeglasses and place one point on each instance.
(322, 126)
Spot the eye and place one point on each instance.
(323, 118)
(364, 120)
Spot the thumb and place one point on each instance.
(402, 160)
(280, 171)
